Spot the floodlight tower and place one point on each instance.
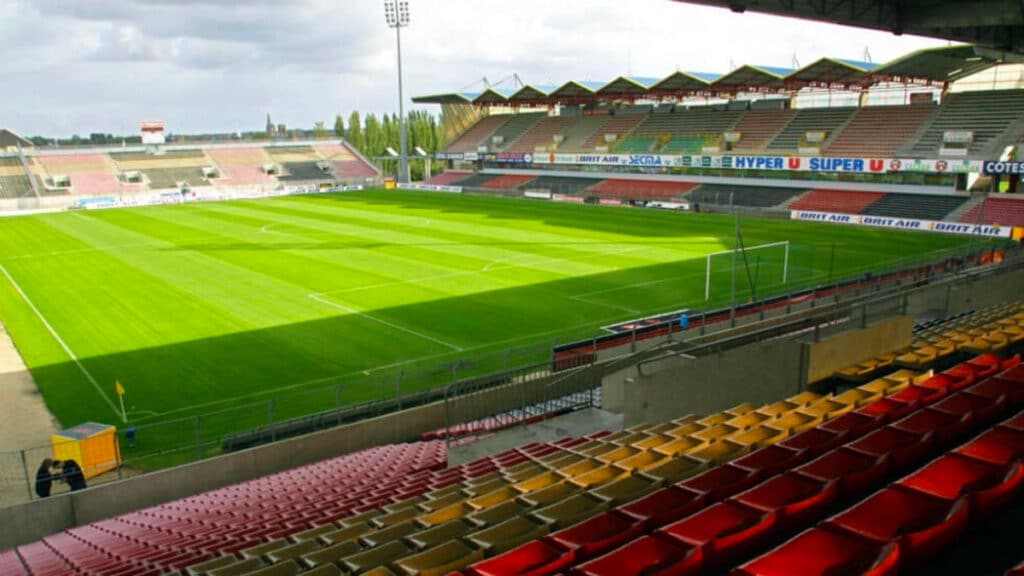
(396, 13)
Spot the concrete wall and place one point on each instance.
(756, 373)
(825, 357)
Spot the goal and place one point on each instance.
(756, 267)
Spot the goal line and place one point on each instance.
(785, 261)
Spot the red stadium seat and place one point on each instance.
(852, 424)
(825, 552)
(664, 506)
(722, 481)
(537, 558)
(919, 523)
(816, 441)
(1000, 446)
(889, 409)
(598, 535)
(723, 530)
(988, 486)
(979, 409)
(943, 426)
(904, 448)
(854, 471)
(794, 498)
(650, 556)
(771, 459)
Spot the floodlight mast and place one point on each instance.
(396, 14)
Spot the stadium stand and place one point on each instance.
(541, 136)
(302, 172)
(507, 182)
(242, 166)
(89, 173)
(580, 132)
(447, 178)
(516, 126)
(685, 131)
(478, 134)
(14, 183)
(293, 153)
(346, 163)
(988, 115)
(619, 125)
(560, 184)
(160, 178)
(641, 189)
(880, 131)
(1003, 211)
(841, 201)
(476, 180)
(166, 170)
(753, 196)
(922, 206)
(827, 120)
(758, 127)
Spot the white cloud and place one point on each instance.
(204, 65)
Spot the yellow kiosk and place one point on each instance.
(93, 446)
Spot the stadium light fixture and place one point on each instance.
(396, 14)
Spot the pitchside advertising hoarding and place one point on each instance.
(993, 231)
(763, 163)
(994, 168)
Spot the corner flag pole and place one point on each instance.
(120, 395)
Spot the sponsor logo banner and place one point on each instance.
(902, 223)
(513, 158)
(430, 187)
(994, 168)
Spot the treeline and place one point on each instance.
(373, 135)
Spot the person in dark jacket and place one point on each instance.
(72, 474)
(44, 479)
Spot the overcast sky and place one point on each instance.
(80, 66)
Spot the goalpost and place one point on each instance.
(766, 250)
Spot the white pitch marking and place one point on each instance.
(80, 251)
(351, 310)
(56, 336)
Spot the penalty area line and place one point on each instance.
(59, 340)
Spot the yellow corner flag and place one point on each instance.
(119, 388)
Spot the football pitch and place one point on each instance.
(201, 307)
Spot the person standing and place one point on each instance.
(72, 474)
(44, 479)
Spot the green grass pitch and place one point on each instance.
(202, 307)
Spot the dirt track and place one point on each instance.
(25, 423)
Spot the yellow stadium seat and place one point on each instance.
(385, 535)
(580, 467)
(293, 551)
(446, 514)
(777, 409)
(827, 409)
(611, 438)
(393, 518)
(564, 461)
(619, 453)
(380, 571)
(484, 480)
(499, 513)
(662, 428)
(494, 498)
(585, 447)
(324, 570)
(522, 471)
(358, 519)
(542, 480)
(507, 535)
(747, 421)
(642, 461)
(760, 437)
(438, 503)
(549, 494)
(714, 419)
(571, 510)
(238, 567)
(796, 422)
(313, 533)
(260, 550)
(599, 476)
(741, 409)
(719, 452)
(857, 397)
(684, 430)
(486, 487)
(441, 533)
(442, 493)
(399, 506)
(685, 419)
(440, 560)
(596, 451)
(287, 568)
(677, 469)
(652, 441)
(346, 534)
(628, 488)
(630, 439)
(804, 398)
(714, 433)
(332, 553)
(681, 446)
(375, 557)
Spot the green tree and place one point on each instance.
(339, 126)
(319, 131)
(355, 132)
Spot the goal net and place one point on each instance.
(757, 269)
